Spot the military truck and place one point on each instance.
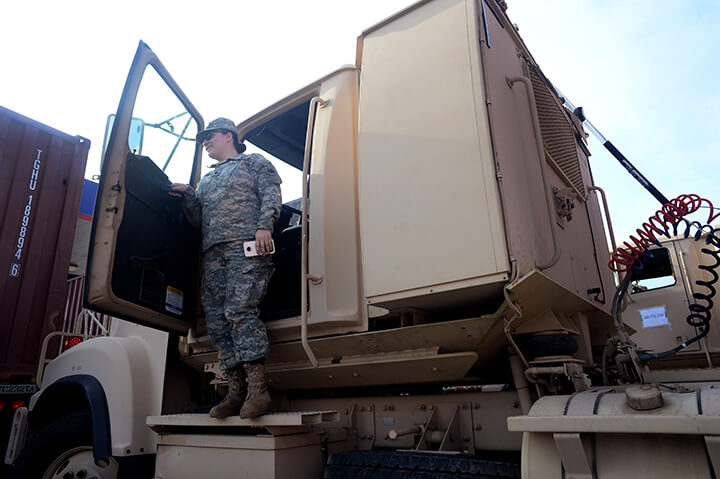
(442, 305)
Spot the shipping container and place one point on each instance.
(40, 190)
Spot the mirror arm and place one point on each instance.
(177, 142)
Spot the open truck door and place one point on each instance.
(143, 262)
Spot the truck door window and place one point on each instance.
(656, 272)
(169, 130)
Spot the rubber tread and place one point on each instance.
(415, 465)
(63, 434)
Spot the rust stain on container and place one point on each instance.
(40, 188)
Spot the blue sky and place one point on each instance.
(646, 74)
(644, 71)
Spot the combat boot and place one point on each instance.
(230, 406)
(258, 398)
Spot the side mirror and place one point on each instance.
(135, 139)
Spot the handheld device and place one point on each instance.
(250, 248)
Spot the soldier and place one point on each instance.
(238, 201)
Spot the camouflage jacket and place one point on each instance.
(232, 202)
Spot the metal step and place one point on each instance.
(279, 423)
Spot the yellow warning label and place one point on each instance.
(174, 300)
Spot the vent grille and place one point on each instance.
(558, 135)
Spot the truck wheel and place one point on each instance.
(539, 345)
(415, 465)
(63, 449)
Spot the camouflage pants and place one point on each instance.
(232, 288)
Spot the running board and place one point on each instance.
(277, 424)
(403, 367)
(406, 367)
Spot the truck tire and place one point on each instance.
(415, 465)
(62, 447)
(539, 345)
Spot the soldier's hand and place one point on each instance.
(263, 241)
(177, 189)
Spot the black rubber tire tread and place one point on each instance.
(61, 435)
(415, 465)
(551, 345)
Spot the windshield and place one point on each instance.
(168, 129)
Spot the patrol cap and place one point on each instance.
(218, 124)
(222, 124)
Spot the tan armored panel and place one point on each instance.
(467, 160)
(429, 207)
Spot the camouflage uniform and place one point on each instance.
(232, 202)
